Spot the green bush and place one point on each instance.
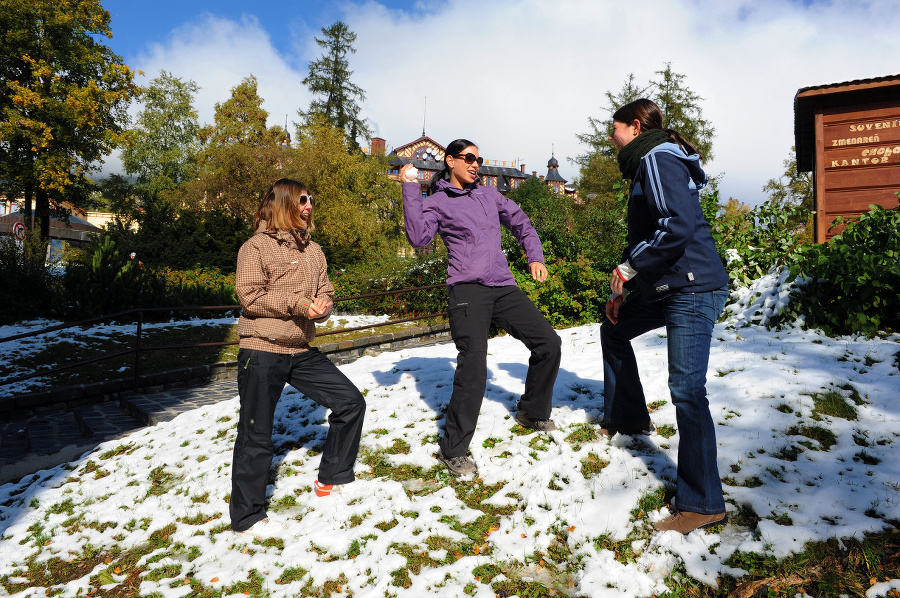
(574, 292)
(389, 273)
(201, 286)
(852, 283)
(752, 244)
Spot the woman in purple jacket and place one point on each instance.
(482, 290)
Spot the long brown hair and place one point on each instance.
(280, 210)
(650, 116)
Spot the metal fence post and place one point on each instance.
(137, 350)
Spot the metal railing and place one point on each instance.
(139, 349)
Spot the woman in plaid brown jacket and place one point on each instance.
(283, 287)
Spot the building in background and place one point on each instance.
(427, 155)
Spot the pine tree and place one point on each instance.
(329, 79)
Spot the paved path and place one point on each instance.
(29, 445)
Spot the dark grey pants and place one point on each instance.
(472, 308)
(261, 379)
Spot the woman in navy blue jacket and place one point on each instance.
(676, 280)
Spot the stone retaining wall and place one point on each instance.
(71, 397)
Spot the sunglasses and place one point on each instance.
(304, 199)
(470, 158)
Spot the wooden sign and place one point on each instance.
(856, 162)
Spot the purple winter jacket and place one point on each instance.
(468, 220)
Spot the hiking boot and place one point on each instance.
(608, 429)
(323, 490)
(265, 528)
(457, 466)
(541, 425)
(686, 521)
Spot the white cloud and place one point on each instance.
(522, 76)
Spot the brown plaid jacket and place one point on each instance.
(276, 282)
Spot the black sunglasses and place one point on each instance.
(470, 158)
(303, 199)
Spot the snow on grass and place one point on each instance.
(807, 428)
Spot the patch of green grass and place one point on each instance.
(751, 482)
(163, 572)
(291, 574)
(650, 501)
(835, 567)
(491, 442)
(666, 431)
(788, 453)
(655, 405)
(581, 434)
(540, 443)
(823, 436)
(400, 447)
(592, 465)
(284, 502)
(119, 450)
(386, 525)
(161, 481)
(866, 458)
(67, 506)
(198, 519)
(832, 403)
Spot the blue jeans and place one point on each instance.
(689, 319)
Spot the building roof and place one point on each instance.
(554, 176)
(811, 99)
(419, 142)
(75, 223)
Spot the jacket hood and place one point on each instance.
(692, 161)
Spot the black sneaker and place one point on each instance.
(541, 425)
(457, 466)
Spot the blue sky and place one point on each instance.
(136, 23)
(522, 77)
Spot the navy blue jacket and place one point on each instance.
(669, 243)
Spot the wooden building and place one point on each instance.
(848, 135)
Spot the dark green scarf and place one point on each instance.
(630, 155)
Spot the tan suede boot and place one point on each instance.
(686, 521)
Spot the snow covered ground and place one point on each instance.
(557, 509)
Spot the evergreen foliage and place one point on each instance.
(105, 281)
(338, 98)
